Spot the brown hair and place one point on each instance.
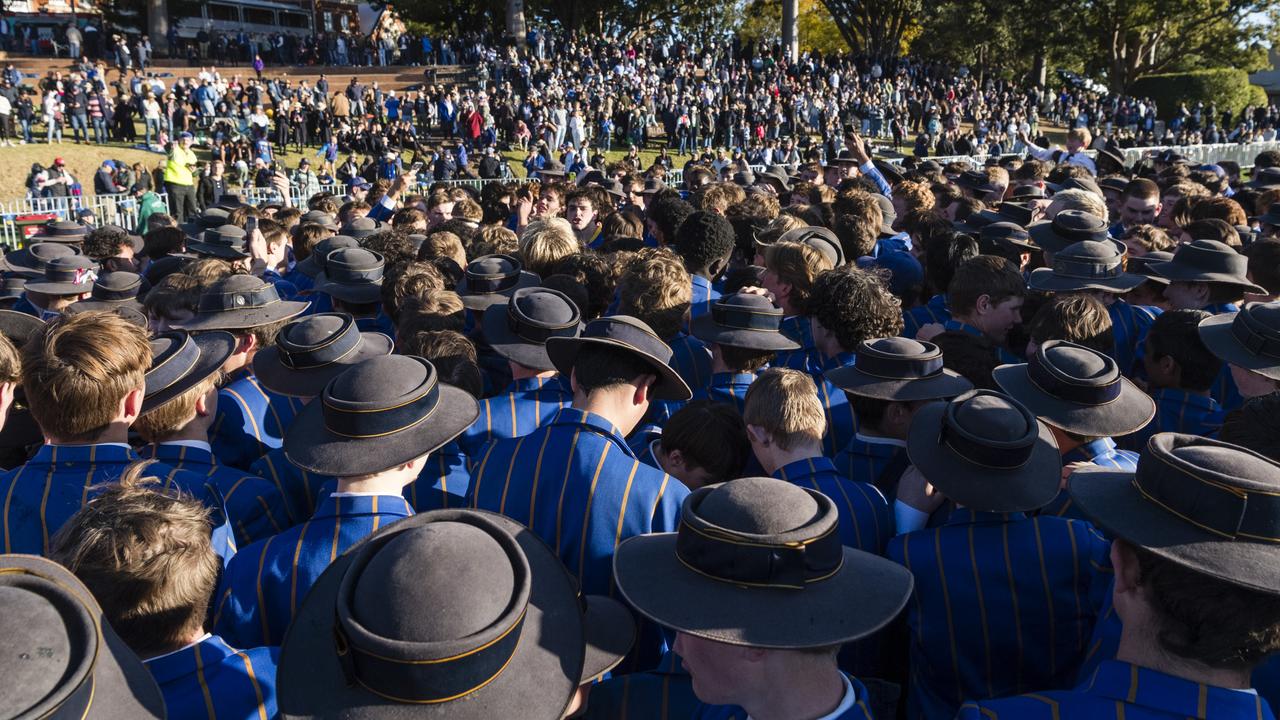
(175, 297)
(784, 403)
(404, 281)
(160, 423)
(305, 237)
(915, 195)
(77, 370)
(657, 289)
(431, 310)
(207, 271)
(854, 305)
(711, 436)
(10, 362)
(443, 243)
(1080, 319)
(147, 558)
(490, 240)
(799, 265)
(988, 275)
(719, 197)
(1150, 237)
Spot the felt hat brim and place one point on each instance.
(706, 329)
(105, 306)
(1045, 280)
(59, 288)
(946, 385)
(1174, 272)
(1215, 333)
(509, 345)
(862, 597)
(609, 630)
(355, 293)
(483, 301)
(538, 682)
(314, 448)
(122, 686)
(215, 348)
(1129, 412)
(218, 251)
(19, 326)
(670, 386)
(307, 266)
(1045, 238)
(1029, 487)
(1110, 500)
(241, 319)
(274, 376)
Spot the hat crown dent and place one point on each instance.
(379, 380)
(312, 330)
(37, 633)
(759, 506)
(494, 265)
(546, 307)
(992, 419)
(1235, 466)
(1079, 364)
(410, 588)
(900, 346)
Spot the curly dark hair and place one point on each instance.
(854, 305)
(394, 245)
(104, 242)
(668, 214)
(703, 240)
(596, 275)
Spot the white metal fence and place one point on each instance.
(15, 215)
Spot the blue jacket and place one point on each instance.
(703, 296)
(255, 507)
(251, 421)
(1179, 411)
(691, 359)
(1121, 691)
(1129, 327)
(576, 484)
(806, 359)
(40, 496)
(1002, 352)
(727, 388)
(665, 692)
(842, 423)
(1003, 604)
(526, 406)
(266, 581)
(933, 311)
(298, 488)
(865, 521)
(211, 680)
(1101, 452)
(867, 462)
(1224, 389)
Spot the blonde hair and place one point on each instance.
(798, 265)
(545, 242)
(1077, 199)
(163, 421)
(656, 288)
(784, 403)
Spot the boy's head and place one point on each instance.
(1176, 357)
(580, 209)
(987, 292)
(848, 305)
(704, 443)
(655, 288)
(431, 310)
(1079, 318)
(148, 560)
(783, 414)
(199, 405)
(83, 375)
(705, 241)
(544, 243)
(790, 271)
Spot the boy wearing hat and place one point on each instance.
(1248, 341)
(762, 595)
(518, 331)
(1097, 269)
(1180, 371)
(66, 280)
(847, 306)
(574, 481)
(372, 428)
(177, 412)
(1002, 600)
(743, 331)
(704, 241)
(1193, 589)
(147, 559)
(889, 381)
(352, 280)
(250, 421)
(84, 381)
(785, 424)
(63, 658)
(655, 288)
(1085, 400)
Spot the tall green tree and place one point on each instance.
(876, 27)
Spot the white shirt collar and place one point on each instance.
(193, 444)
(117, 445)
(846, 702)
(877, 440)
(199, 640)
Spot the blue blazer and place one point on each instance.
(266, 581)
(1102, 452)
(727, 388)
(526, 405)
(251, 421)
(865, 522)
(665, 692)
(577, 485)
(214, 681)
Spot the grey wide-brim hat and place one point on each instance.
(625, 333)
(519, 330)
(758, 562)
(314, 349)
(899, 370)
(339, 659)
(1200, 503)
(987, 451)
(1249, 338)
(180, 361)
(239, 302)
(62, 658)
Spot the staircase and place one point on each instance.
(395, 77)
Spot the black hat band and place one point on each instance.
(1087, 269)
(537, 334)
(350, 275)
(360, 424)
(240, 300)
(1229, 512)
(230, 241)
(488, 284)
(1256, 337)
(988, 452)
(106, 294)
(1045, 378)
(413, 672)
(896, 367)
(742, 559)
(742, 318)
(308, 357)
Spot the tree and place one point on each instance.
(876, 26)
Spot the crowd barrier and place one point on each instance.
(18, 215)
